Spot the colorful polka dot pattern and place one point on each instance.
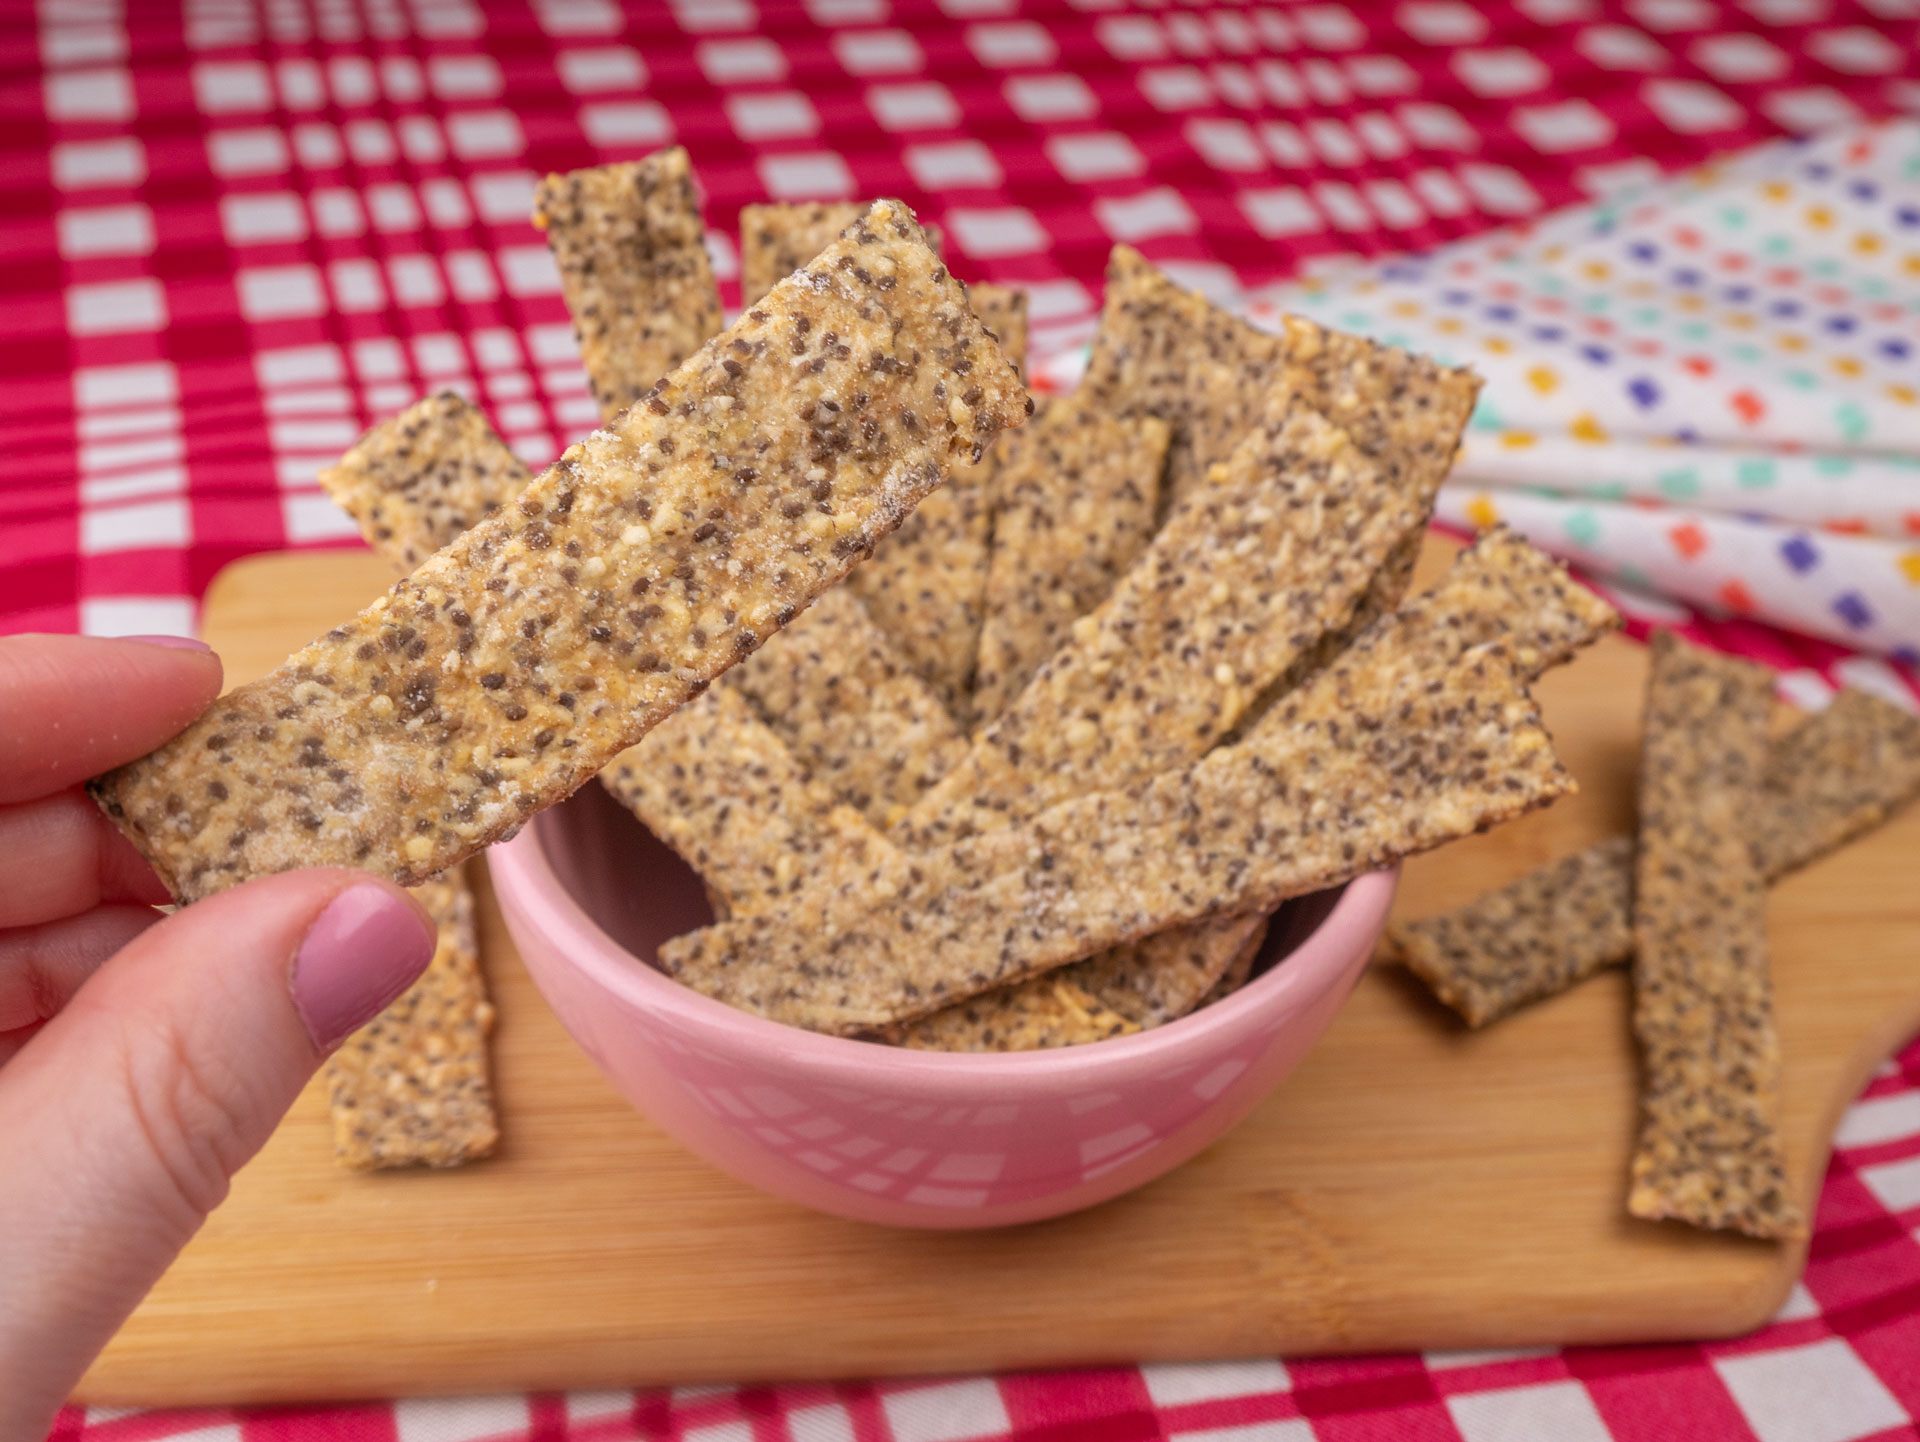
(1709, 390)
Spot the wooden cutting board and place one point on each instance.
(1411, 1186)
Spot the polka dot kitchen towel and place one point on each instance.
(1706, 392)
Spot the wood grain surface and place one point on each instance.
(1413, 1185)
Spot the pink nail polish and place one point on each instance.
(366, 948)
(171, 643)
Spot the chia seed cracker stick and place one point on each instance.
(632, 253)
(866, 726)
(1293, 810)
(925, 587)
(1709, 1152)
(1271, 554)
(419, 479)
(1162, 350)
(1833, 777)
(514, 664)
(1499, 589)
(1076, 501)
(778, 238)
(1531, 939)
(411, 1087)
(715, 784)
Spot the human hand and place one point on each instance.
(142, 1059)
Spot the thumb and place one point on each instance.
(123, 1120)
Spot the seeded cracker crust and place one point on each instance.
(632, 254)
(724, 792)
(1708, 1153)
(1076, 502)
(513, 665)
(1836, 776)
(1295, 808)
(926, 586)
(868, 728)
(411, 1087)
(419, 479)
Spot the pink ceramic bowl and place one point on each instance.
(914, 1139)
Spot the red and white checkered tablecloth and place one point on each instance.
(234, 233)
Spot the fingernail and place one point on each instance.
(171, 643)
(366, 948)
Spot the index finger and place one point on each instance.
(74, 706)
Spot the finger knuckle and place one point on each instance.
(182, 1112)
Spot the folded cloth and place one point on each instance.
(1858, 591)
(1706, 391)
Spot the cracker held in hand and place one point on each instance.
(513, 665)
(1293, 809)
(1832, 778)
(866, 726)
(411, 1087)
(1709, 1151)
(1078, 493)
(634, 270)
(712, 781)
(421, 478)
